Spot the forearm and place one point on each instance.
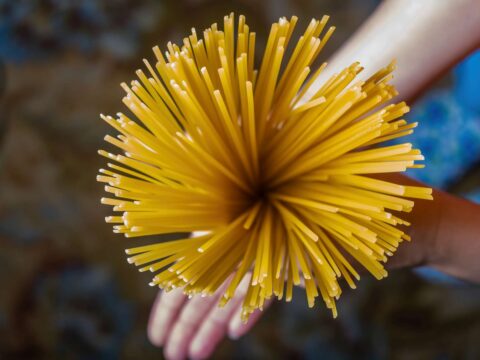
(457, 242)
(425, 37)
(445, 234)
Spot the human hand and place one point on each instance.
(194, 327)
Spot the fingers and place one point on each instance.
(163, 314)
(195, 327)
(214, 328)
(237, 328)
(190, 318)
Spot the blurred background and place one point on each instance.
(68, 291)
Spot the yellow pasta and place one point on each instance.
(278, 184)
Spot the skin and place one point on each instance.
(428, 36)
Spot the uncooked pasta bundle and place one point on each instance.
(270, 176)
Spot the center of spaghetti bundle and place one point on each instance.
(277, 177)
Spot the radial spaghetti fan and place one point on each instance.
(270, 172)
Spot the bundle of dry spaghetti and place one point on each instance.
(277, 182)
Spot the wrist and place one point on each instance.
(456, 245)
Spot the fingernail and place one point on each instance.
(155, 336)
(233, 336)
(197, 351)
(234, 332)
